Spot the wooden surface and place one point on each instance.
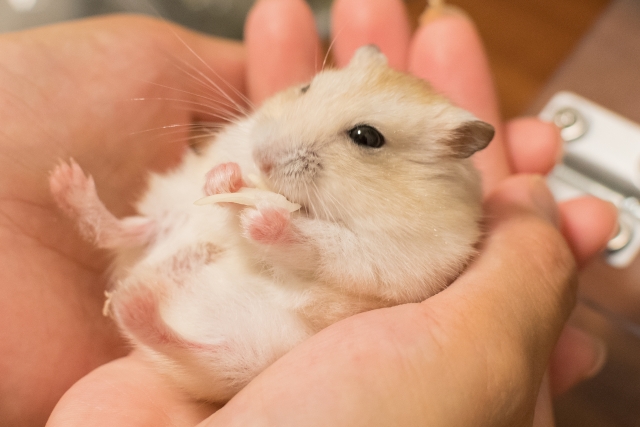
(526, 40)
(605, 66)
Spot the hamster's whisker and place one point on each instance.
(316, 211)
(339, 206)
(169, 133)
(173, 126)
(203, 62)
(326, 56)
(226, 119)
(336, 209)
(306, 189)
(185, 101)
(199, 95)
(208, 129)
(208, 86)
(196, 126)
(323, 205)
(213, 83)
(213, 111)
(313, 207)
(187, 138)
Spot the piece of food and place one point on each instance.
(250, 197)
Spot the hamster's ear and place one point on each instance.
(368, 56)
(469, 137)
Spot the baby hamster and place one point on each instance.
(390, 205)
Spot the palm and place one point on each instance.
(52, 282)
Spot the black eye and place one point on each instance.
(305, 89)
(367, 136)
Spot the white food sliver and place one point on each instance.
(250, 197)
(257, 182)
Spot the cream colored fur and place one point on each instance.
(378, 227)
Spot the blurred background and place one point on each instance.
(526, 40)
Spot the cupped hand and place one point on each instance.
(474, 354)
(119, 95)
(116, 94)
(447, 52)
(89, 112)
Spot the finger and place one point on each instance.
(126, 392)
(282, 47)
(448, 53)
(523, 276)
(577, 356)
(357, 23)
(588, 224)
(534, 146)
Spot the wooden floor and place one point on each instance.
(526, 40)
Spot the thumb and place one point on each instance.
(523, 282)
(482, 344)
(518, 293)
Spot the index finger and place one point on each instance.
(282, 47)
(448, 53)
(357, 23)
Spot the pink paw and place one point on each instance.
(268, 225)
(224, 178)
(71, 188)
(75, 194)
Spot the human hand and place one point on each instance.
(448, 53)
(117, 94)
(474, 354)
(126, 383)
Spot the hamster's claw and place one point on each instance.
(70, 187)
(268, 225)
(224, 178)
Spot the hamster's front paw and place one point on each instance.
(268, 225)
(224, 178)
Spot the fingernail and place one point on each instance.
(616, 227)
(437, 9)
(599, 356)
(543, 199)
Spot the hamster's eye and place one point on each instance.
(305, 89)
(367, 136)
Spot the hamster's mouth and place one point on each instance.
(262, 182)
(292, 173)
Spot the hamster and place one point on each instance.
(390, 210)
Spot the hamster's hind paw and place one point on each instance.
(71, 188)
(268, 225)
(224, 178)
(75, 194)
